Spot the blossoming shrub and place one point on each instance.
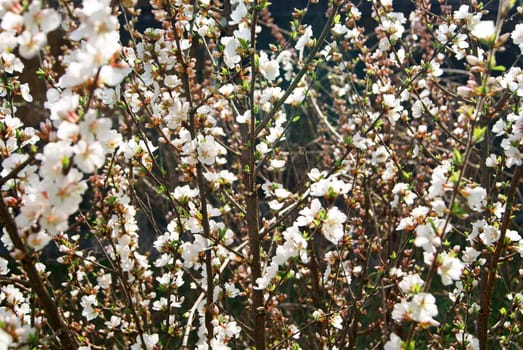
(356, 186)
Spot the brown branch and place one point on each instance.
(251, 201)
(491, 273)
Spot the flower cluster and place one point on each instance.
(356, 180)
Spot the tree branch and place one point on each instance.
(28, 262)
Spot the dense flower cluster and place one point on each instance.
(353, 183)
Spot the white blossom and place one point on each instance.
(411, 283)
(469, 341)
(428, 235)
(239, 13)
(304, 40)
(38, 240)
(476, 198)
(270, 69)
(394, 342)
(208, 150)
(333, 226)
(484, 30)
(230, 54)
(517, 36)
(87, 302)
(449, 268)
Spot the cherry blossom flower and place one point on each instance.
(12, 22)
(449, 268)
(440, 181)
(462, 13)
(423, 308)
(333, 225)
(304, 40)
(428, 235)
(336, 322)
(230, 54)
(4, 269)
(517, 36)
(87, 303)
(191, 251)
(401, 311)
(114, 322)
(489, 234)
(231, 291)
(150, 341)
(469, 341)
(89, 157)
(11, 63)
(92, 127)
(445, 33)
(96, 20)
(177, 113)
(484, 31)
(38, 240)
(114, 73)
(104, 281)
(470, 255)
(392, 25)
(269, 273)
(476, 197)
(380, 155)
(54, 220)
(31, 44)
(37, 18)
(339, 29)
(309, 215)
(329, 187)
(208, 150)
(270, 69)
(394, 342)
(411, 283)
(239, 13)
(402, 189)
(296, 243)
(278, 164)
(491, 161)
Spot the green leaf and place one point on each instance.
(459, 211)
(40, 74)
(454, 177)
(111, 200)
(458, 158)
(479, 133)
(417, 289)
(244, 43)
(161, 189)
(409, 346)
(66, 162)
